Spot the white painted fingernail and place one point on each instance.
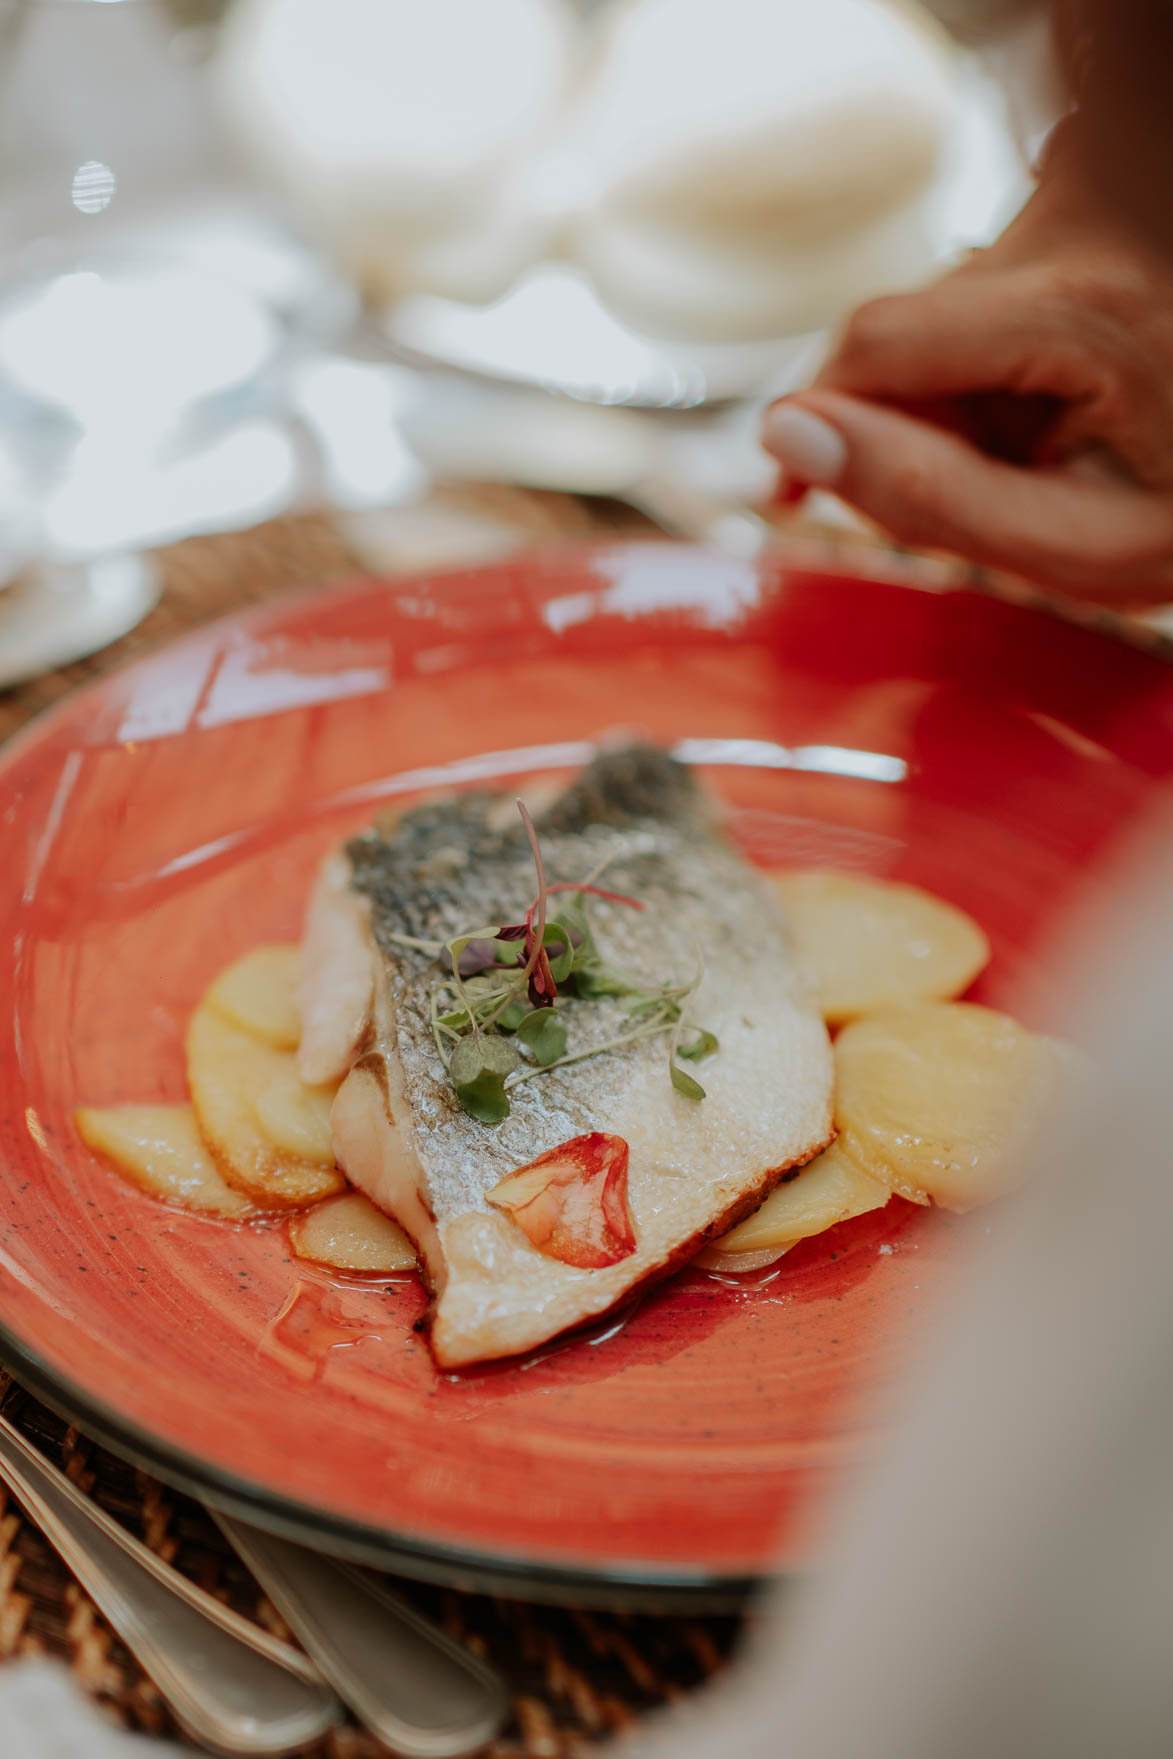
(806, 446)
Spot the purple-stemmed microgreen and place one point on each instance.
(506, 981)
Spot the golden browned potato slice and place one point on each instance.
(296, 1118)
(259, 994)
(737, 1263)
(830, 1189)
(869, 943)
(933, 1099)
(229, 1072)
(349, 1233)
(159, 1147)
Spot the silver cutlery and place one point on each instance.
(415, 1688)
(232, 1686)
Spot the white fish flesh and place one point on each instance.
(694, 1167)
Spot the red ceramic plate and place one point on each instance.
(168, 818)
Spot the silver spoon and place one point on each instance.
(232, 1686)
(412, 1686)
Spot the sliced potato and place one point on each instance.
(159, 1147)
(831, 1189)
(349, 1233)
(228, 1071)
(869, 943)
(934, 1098)
(296, 1118)
(259, 994)
(736, 1263)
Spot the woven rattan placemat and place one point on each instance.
(575, 1676)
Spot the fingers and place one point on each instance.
(1081, 527)
(969, 332)
(1075, 357)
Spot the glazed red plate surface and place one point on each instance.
(170, 817)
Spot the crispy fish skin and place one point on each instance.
(695, 1168)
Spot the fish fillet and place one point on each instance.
(694, 1167)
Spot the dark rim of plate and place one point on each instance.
(635, 1586)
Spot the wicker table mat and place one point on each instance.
(575, 1676)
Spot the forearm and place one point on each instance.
(1118, 142)
(1115, 58)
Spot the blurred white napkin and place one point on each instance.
(1002, 1581)
(45, 1715)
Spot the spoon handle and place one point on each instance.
(235, 1691)
(413, 1687)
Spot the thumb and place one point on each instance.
(1078, 526)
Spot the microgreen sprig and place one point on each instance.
(661, 1022)
(506, 995)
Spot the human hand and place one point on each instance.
(1019, 412)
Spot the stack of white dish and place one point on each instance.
(721, 173)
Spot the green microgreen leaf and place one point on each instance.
(701, 1045)
(481, 996)
(509, 983)
(543, 1034)
(592, 981)
(562, 962)
(455, 947)
(572, 916)
(478, 1069)
(659, 1022)
(684, 1083)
